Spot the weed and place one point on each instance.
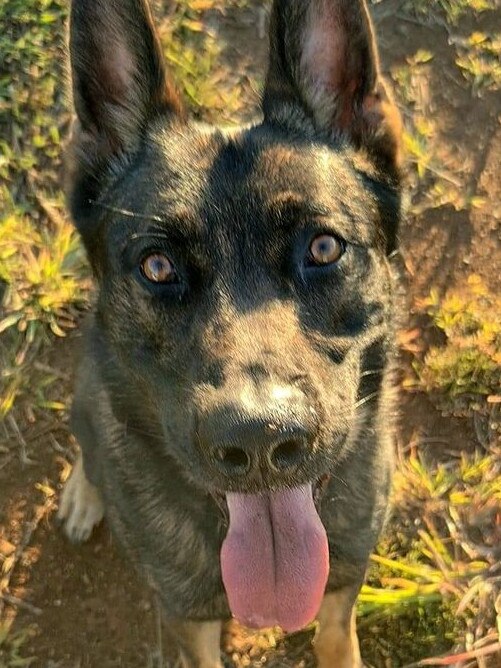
(193, 53)
(11, 645)
(43, 268)
(417, 145)
(470, 360)
(31, 90)
(452, 10)
(430, 181)
(45, 273)
(479, 60)
(42, 271)
(444, 193)
(419, 132)
(434, 581)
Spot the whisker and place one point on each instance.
(371, 372)
(339, 479)
(126, 212)
(367, 398)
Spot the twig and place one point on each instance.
(55, 217)
(24, 446)
(6, 460)
(443, 175)
(416, 22)
(456, 658)
(49, 369)
(473, 550)
(20, 603)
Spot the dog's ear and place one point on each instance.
(119, 79)
(324, 62)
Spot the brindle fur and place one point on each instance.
(234, 212)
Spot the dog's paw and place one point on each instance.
(81, 507)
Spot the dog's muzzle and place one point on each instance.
(264, 432)
(275, 558)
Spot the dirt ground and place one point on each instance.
(84, 606)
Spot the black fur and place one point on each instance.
(235, 212)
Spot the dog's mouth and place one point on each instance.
(318, 490)
(275, 557)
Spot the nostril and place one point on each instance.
(233, 460)
(287, 454)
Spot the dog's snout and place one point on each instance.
(272, 431)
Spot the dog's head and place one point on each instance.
(244, 289)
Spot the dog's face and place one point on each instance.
(244, 288)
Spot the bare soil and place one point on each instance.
(85, 605)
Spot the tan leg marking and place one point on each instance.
(336, 645)
(80, 506)
(198, 642)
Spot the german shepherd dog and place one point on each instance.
(234, 400)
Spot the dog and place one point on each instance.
(234, 401)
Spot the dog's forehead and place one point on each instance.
(251, 166)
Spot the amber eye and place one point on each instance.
(325, 249)
(157, 268)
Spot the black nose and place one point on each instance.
(274, 453)
(239, 438)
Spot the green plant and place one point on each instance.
(194, 57)
(479, 60)
(433, 581)
(45, 277)
(44, 270)
(431, 184)
(31, 85)
(417, 145)
(453, 10)
(470, 360)
(11, 645)
(419, 131)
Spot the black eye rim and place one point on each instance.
(157, 284)
(311, 263)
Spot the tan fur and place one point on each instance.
(336, 645)
(81, 507)
(199, 643)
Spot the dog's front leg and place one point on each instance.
(81, 506)
(198, 642)
(336, 645)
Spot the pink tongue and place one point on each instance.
(275, 558)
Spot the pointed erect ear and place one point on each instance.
(118, 76)
(324, 62)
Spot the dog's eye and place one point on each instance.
(157, 268)
(325, 249)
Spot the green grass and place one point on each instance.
(452, 10)
(193, 53)
(42, 271)
(463, 374)
(479, 60)
(433, 579)
(43, 267)
(31, 50)
(11, 647)
(430, 182)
